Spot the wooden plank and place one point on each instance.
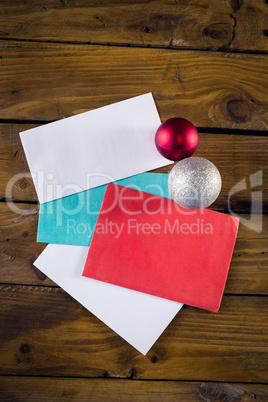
(236, 157)
(13, 164)
(45, 332)
(45, 81)
(18, 246)
(18, 250)
(251, 24)
(200, 23)
(82, 389)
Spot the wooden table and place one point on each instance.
(202, 60)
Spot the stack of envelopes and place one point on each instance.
(118, 243)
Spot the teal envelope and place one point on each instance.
(72, 219)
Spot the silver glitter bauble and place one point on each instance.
(194, 183)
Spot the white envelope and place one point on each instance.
(137, 317)
(93, 148)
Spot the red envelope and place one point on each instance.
(150, 244)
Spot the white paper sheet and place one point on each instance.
(137, 317)
(93, 148)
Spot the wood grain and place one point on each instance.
(200, 23)
(44, 81)
(45, 332)
(46, 336)
(69, 389)
(18, 246)
(236, 157)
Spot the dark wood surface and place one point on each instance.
(205, 24)
(202, 60)
(49, 81)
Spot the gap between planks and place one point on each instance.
(141, 46)
(124, 379)
(8, 201)
(202, 130)
(48, 288)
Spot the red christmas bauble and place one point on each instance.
(176, 138)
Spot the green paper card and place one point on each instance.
(72, 219)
